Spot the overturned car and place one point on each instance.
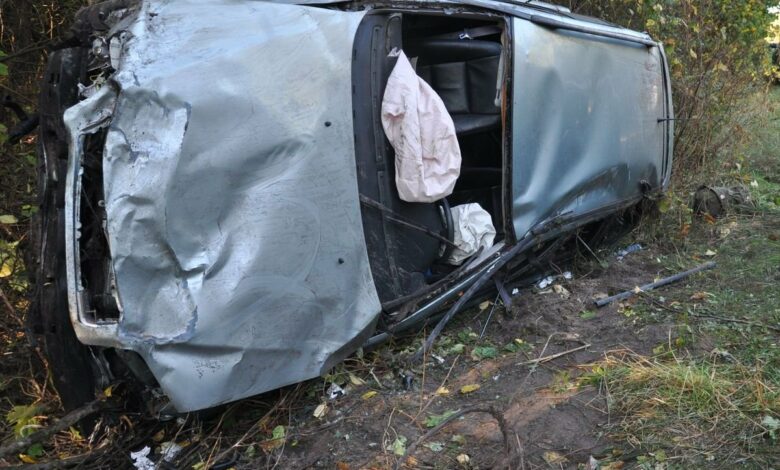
(237, 195)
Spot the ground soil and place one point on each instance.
(551, 418)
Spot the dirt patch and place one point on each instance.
(549, 410)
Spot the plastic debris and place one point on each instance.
(549, 280)
(141, 459)
(335, 391)
(546, 282)
(628, 250)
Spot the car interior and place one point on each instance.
(462, 59)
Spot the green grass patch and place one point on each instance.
(697, 411)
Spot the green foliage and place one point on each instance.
(24, 419)
(718, 54)
(483, 352)
(35, 451)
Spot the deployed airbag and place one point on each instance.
(427, 155)
(473, 230)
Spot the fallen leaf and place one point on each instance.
(710, 253)
(6, 270)
(456, 349)
(441, 391)
(355, 380)
(587, 314)
(276, 441)
(398, 447)
(458, 439)
(560, 290)
(554, 458)
(369, 395)
(26, 458)
(321, 410)
(342, 466)
(700, 295)
(434, 420)
(483, 352)
(108, 391)
(659, 455)
(8, 219)
(463, 459)
(469, 388)
(24, 419)
(484, 305)
(278, 432)
(434, 446)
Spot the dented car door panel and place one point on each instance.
(589, 123)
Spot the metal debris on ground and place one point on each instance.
(654, 285)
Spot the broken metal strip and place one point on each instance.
(502, 292)
(654, 285)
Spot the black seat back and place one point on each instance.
(464, 73)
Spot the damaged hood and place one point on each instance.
(231, 196)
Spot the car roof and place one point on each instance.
(532, 10)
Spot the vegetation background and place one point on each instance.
(721, 72)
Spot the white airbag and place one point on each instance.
(427, 155)
(473, 230)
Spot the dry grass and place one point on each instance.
(698, 411)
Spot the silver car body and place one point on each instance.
(232, 210)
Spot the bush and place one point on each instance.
(718, 54)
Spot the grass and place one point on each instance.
(712, 398)
(696, 411)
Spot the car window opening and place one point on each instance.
(461, 59)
